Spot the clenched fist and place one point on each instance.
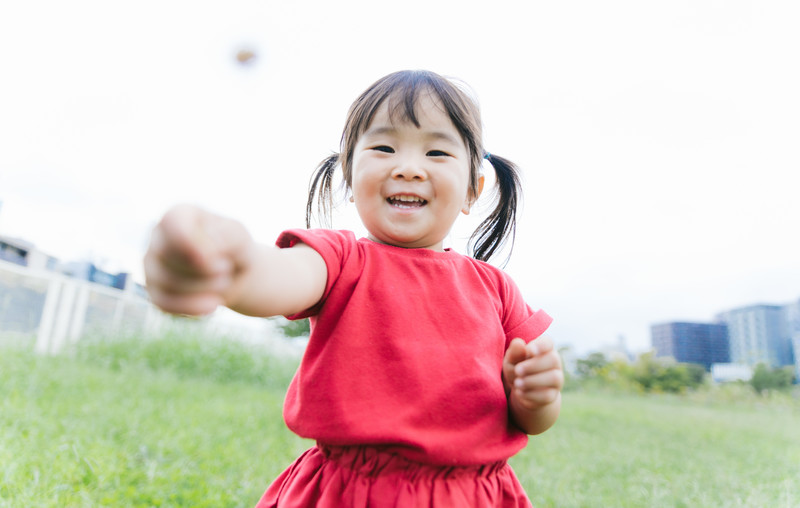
(193, 259)
(533, 378)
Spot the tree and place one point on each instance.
(647, 371)
(765, 379)
(647, 374)
(295, 328)
(697, 374)
(653, 374)
(591, 365)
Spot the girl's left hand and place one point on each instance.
(532, 373)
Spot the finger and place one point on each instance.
(543, 380)
(191, 305)
(167, 280)
(541, 345)
(536, 364)
(180, 240)
(516, 352)
(226, 242)
(537, 398)
(169, 247)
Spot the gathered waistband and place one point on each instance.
(371, 460)
(360, 476)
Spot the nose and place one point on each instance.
(409, 168)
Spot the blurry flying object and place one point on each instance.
(245, 57)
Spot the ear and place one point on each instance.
(471, 199)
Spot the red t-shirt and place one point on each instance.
(406, 351)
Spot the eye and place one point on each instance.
(383, 148)
(437, 153)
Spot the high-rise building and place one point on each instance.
(791, 313)
(701, 343)
(759, 334)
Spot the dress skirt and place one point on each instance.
(367, 476)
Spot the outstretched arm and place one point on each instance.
(197, 261)
(533, 378)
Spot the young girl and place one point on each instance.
(422, 375)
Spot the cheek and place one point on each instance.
(363, 187)
(466, 186)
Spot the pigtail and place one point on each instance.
(321, 186)
(501, 224)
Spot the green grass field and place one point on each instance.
(190, 423)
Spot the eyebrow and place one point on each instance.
(439, 135)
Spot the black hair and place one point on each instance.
(501, 224)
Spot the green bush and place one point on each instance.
(765, 378)
(647, 374)
(297, 328)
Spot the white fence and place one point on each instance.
(57, 311)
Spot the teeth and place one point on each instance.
(406, 201)
(409, 199)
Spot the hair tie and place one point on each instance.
(487, 155)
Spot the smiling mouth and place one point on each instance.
(405, 201)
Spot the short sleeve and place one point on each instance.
(531, 328)
(334, 246)
(519, 319)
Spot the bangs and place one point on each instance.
(402, 90)
(402, 102)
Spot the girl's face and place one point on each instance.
(409, 183)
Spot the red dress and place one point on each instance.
(400, 384)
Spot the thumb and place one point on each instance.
(516, 352)
(229, 240)
(181, 242)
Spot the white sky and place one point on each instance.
(659, 140)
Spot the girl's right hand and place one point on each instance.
(193, 260)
